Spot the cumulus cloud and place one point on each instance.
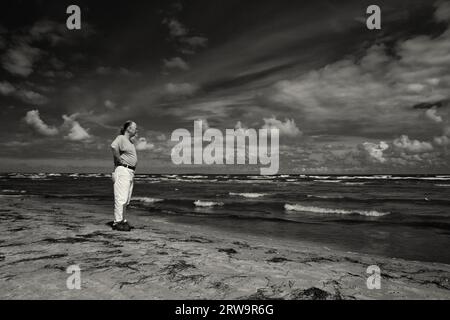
(287, 128)
(33, 119)
(413, 146)
(27, 96)
(76, 131)
(31, 97)
(176, 28)
(121, 71)
(442, 12)
(375, 151)
(47, 29)
(181, 89)
(205, 124)
(185, 42)
(6, 88)
(432, 115)
(196, 41)
(142, 144)
(19, 60)
(176, 63)
(377, 89)
(239, 125)
(161, 137)
(109, 104)
(443, 140)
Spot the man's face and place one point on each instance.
(132, 129)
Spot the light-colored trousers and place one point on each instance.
(123, 187)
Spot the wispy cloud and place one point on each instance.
(76, 131)
(181, 89)
(34, 120)
(20, 59)
(176, 63)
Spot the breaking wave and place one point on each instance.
(200, 203)
(147, 199)
(298, 207)
(247, 194)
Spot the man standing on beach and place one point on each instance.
(125, 160)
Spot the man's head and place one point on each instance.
(129, 127)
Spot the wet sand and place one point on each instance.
(40, 238)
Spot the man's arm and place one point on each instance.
(116, 155)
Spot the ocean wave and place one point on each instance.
(327, 180)
(147, 199)
(251, 181)
(17, 176)
(318, 177)
(200, 203)
(261, 177)
(420, 178)
(196, 177)
(193, 180)
(442, 185)
(10, 195)
(93, 175)
(13, 191)
(374, 177)
(324, 197)
(354, 183)
(248, 194)
(141, 181)
(298, 207)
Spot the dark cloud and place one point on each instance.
(344, 98)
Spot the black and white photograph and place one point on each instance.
(225, 150)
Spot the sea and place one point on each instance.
(396, 216)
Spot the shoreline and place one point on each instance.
(161, 259)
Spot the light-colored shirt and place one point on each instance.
(127, 150)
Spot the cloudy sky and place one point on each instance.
(346, 99)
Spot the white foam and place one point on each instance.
(93, 175)
(442, 185)
(195, 177)
(324, 197)
(262, 177)
(194, 180)
(298, 207)
(248, 194)
(147, 199)
(17, 175)
(13, 191)
(200, 203)
(170, 175)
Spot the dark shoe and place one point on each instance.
(127, 223)
(121, 226)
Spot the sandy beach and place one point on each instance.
(41, 237)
